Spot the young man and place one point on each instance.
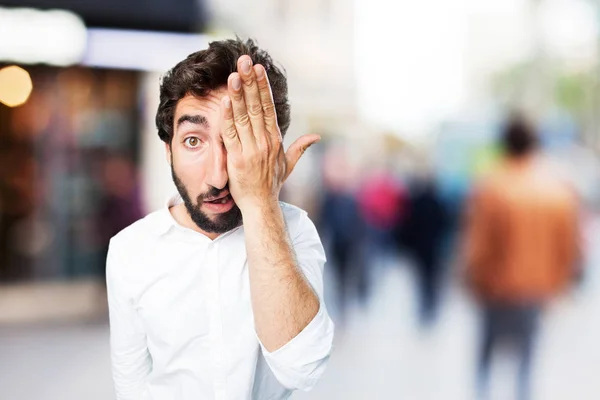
(201, 306)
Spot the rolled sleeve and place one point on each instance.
(301, 362)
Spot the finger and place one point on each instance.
(240, 116)
(295, 151)
(268, 105)
(252, 99)
(228, 131)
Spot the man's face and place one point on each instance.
(199, 163)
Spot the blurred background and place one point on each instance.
(410, 97)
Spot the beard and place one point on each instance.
(221, 223)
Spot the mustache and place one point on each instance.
(212, 193)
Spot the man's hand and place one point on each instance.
(256, 162)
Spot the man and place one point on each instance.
(202, 307)
(422, 233)
(521, 247)
(341, 225)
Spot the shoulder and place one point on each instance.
(291, 212)
(298, 222)
(132, 249)
(138, 235)
(482, 186)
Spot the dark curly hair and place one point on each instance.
(208, 70)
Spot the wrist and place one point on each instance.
(259, 206)
(260, 209)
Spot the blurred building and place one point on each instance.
(71, 152)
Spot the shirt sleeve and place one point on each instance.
(300, 363)
(131, 361)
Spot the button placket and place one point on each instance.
(216, 323)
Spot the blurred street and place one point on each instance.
(381, 354)
(455, 190)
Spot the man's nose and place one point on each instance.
(217, 174)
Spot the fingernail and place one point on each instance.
(227, 102)
(260, 72)
(236, 83)
(246, 65)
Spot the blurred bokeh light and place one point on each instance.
(54, 37)
(15, 86)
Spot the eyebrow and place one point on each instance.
(193, 119)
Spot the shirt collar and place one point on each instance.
(165, 221)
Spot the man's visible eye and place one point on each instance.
(192, 142)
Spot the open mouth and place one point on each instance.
(221, 200)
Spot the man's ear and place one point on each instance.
(168, 153)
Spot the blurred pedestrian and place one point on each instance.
(521, 248)
(342, 228)
(421, 234)
(382, 201)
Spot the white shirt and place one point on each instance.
(181, 320)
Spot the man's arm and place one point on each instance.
(131, 361)
(477, 241)
(282, 299)
(569, 243)
(291, 323)
(287, 297)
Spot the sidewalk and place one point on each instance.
(52, 302)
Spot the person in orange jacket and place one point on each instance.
(521, 247)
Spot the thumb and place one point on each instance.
(296, 150)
